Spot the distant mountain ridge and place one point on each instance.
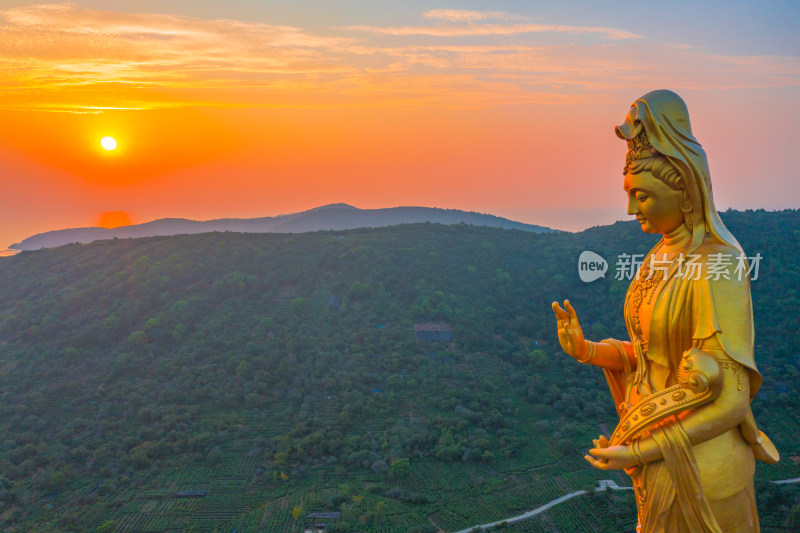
(328, 217)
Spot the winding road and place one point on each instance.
(603, 484)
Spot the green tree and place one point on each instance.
(109, 526)
(138, 338)
(243, 370)
(538, 358)
(793, 519)
(297, 512)
(401, 467)
(380, 512)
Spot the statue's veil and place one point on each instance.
(665, 119)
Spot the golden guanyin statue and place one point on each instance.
(683, 383)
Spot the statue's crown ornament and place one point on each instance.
(639, 148)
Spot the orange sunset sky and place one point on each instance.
(250, 109)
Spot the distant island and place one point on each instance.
(328, 217)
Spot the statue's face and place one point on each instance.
(655, 205)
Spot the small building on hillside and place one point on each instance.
(433, 332)
(320, 522)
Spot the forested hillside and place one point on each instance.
(408, 377)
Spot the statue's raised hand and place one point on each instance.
(570, 334)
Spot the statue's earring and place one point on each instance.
(686, 209)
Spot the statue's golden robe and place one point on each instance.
(693, 489)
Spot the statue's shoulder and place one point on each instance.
(718, 265)
(710, 247)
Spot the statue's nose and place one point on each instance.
(632, 207)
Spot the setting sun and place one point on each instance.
(109, 143)
(113, 219)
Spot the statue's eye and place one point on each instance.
(641, 197)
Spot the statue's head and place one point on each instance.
(665, 159)
(656, 191)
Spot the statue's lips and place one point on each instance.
(641, 220)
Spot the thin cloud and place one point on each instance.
(460, 15)
(62, 52)
(492, 29)
(61, 57)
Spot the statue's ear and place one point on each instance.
(686, 207)
(685, 201)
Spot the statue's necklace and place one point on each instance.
(647, 282)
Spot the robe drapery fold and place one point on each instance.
(688, 311)
(675, 494)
